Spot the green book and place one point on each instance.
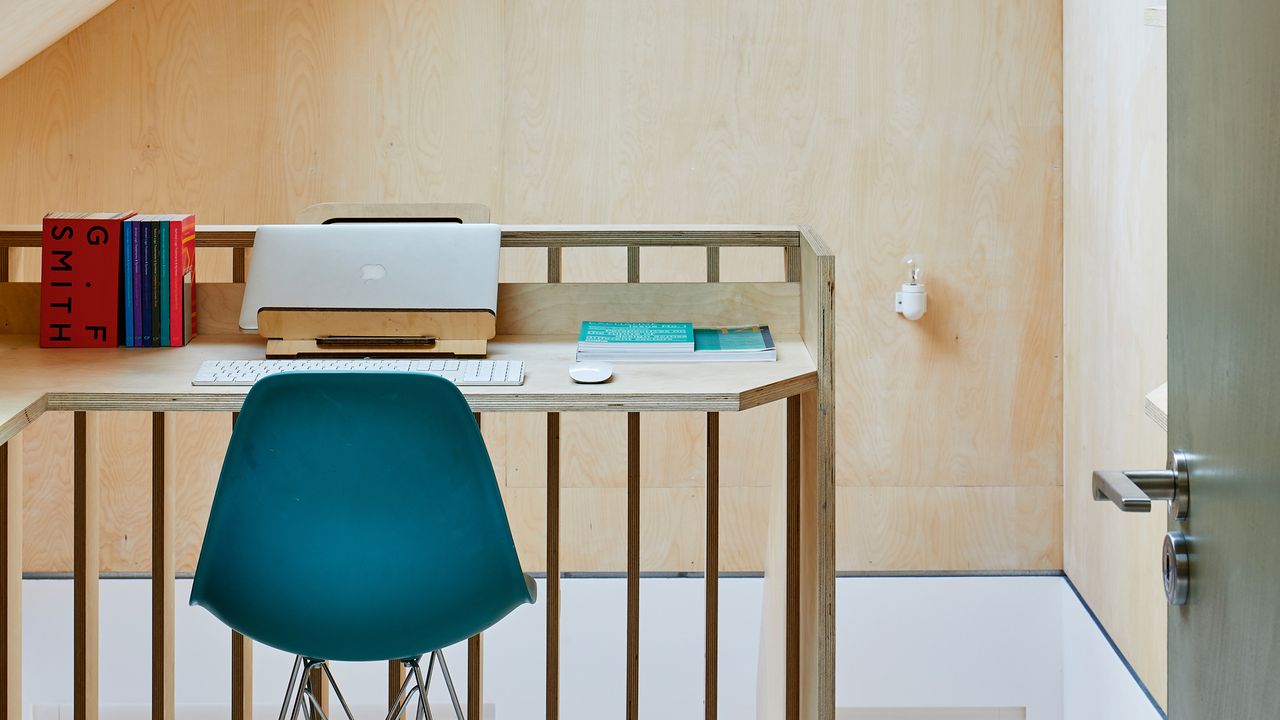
(642, 337)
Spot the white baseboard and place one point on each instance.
(222, 712)
(989, 713)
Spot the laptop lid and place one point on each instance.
(391, 266)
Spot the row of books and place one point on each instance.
(674, 342)
(110, 279)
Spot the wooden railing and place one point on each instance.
(800, 583)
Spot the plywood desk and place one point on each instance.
(37, 380)
(537, 323)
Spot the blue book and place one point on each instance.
(135, 266)
(126, 270)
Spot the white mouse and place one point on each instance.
(590, 372)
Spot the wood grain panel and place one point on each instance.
(202, 443)
(890, 126)
(1116, 307)
(897, 149)
(47, 521)
(949, 528)
(593, 528)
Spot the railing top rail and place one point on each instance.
(522, 236)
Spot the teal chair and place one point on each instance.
(358, 518)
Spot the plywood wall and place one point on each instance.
(1115, 307)
(891, 126)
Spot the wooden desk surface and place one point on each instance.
(33, 380)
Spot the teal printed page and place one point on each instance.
(609, 333)
(747, 338)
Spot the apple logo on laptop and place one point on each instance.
(372, 272)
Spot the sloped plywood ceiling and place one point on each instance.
(29, 26)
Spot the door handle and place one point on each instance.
(1133, 490)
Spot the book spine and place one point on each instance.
(166, 263)
(187, 322)
(80, 283)
(135, 249)
(155, 283)
(174, 320)
(145, 304)
(126, 275)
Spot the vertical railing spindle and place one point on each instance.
(85, 492)
(554, 259)
(241, 677)
(475, 663)
(633, 533)
(553, 566)
(395, 680)
(791, 263)
(792, 611)
(319, 688)
(712, 669)
(633, 565)
(11, 487)
(241, 661)
(237, 265)
(633, 264)
(163, 443)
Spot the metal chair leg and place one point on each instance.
(424, 704)
(302, 691)
(291, 687)
(306, 705)
(407, 688)
(337, 692)
(448, 682)
(304, 696)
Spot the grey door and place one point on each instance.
(1224, 353)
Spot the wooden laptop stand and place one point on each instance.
(320, 332)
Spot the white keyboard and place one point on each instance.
(459, 372)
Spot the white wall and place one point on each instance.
(985, 644)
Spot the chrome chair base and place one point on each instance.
(301, 695)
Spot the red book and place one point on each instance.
(80, 280)
(182, 279)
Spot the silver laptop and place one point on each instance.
(390, 266)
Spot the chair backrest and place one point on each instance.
(357, 517)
